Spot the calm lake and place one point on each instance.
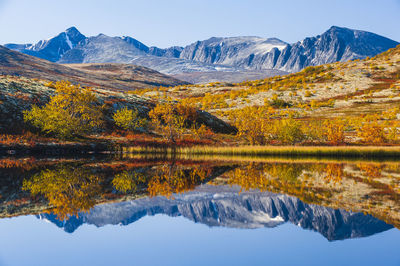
(199, 211)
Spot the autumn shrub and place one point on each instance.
(334, 131)
(392, 133)
(167, 120)
(289, 131)
(371, 131)
(201, 131)
(251, 124)
(314, 130)
(279, 103)
(129, 119)
(188, 111)
(308, 93)
(71, 111)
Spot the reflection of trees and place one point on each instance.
(260, 176)
(263, 176)
(276, 177)
(69, 190)
(128, 181)
(334, 172)
(165, 181)
(249, 177)
(371, 170)
(172, 179)
(285, 171)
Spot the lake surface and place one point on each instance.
(198, 211)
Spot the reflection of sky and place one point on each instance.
(163, 240)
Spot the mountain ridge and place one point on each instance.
(214, 54)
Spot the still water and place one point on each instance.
(135, 211)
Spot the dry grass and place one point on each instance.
(373, 152)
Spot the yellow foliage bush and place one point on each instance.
(71, 111)
(334, 131)
(289, 131)
(129, 119)
(371, 132)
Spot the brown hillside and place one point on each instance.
(113, 76)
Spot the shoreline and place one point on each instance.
(246, 152)
(376, 152)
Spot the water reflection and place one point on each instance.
(224, 206)
(69, 190)
(338, 199)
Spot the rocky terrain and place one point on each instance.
(215, 54)
(224, 206)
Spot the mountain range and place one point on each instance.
(225, 206)
(242, 55)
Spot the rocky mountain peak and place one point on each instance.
(74, 35)
(241, 53)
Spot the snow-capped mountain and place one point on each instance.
(234, 51)
(52, 49)
(225, 206)
(215, 54)
(105, 49)
(336, 44)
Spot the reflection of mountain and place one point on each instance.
(223, 206)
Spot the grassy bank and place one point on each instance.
(291, 151)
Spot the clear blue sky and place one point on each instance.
(165, 23)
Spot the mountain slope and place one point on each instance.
(224, 206)
(113, 76)
(227, 76)
(234, 51)
(336, 44)
(52, 49)
(105, 49)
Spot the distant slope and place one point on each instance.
(225, 76)
(113, 76)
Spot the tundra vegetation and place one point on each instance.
(351, 103)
